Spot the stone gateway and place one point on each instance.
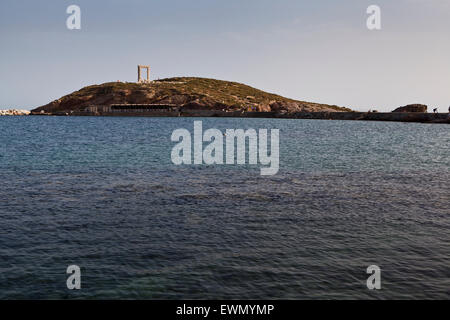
(140, 79)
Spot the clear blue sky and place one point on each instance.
(317, 50)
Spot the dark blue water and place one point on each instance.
(103, 194)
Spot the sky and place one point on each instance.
(315, 50)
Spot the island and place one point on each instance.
(202, 97)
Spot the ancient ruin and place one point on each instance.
(140, 78)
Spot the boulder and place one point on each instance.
(412, 108)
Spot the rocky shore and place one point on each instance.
(14, 112)
(358, 116)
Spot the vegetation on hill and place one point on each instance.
(196, 93)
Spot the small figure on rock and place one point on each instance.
(435, 110)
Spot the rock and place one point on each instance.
(14, 112)
(263, 108)
(277, 106)
(412, 108)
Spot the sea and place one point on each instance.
(102, 193)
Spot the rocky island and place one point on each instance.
(201, 97)
(183, 94)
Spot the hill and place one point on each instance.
(192, 93)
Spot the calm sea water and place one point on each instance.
(103, 194)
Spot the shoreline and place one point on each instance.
(440, 118)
